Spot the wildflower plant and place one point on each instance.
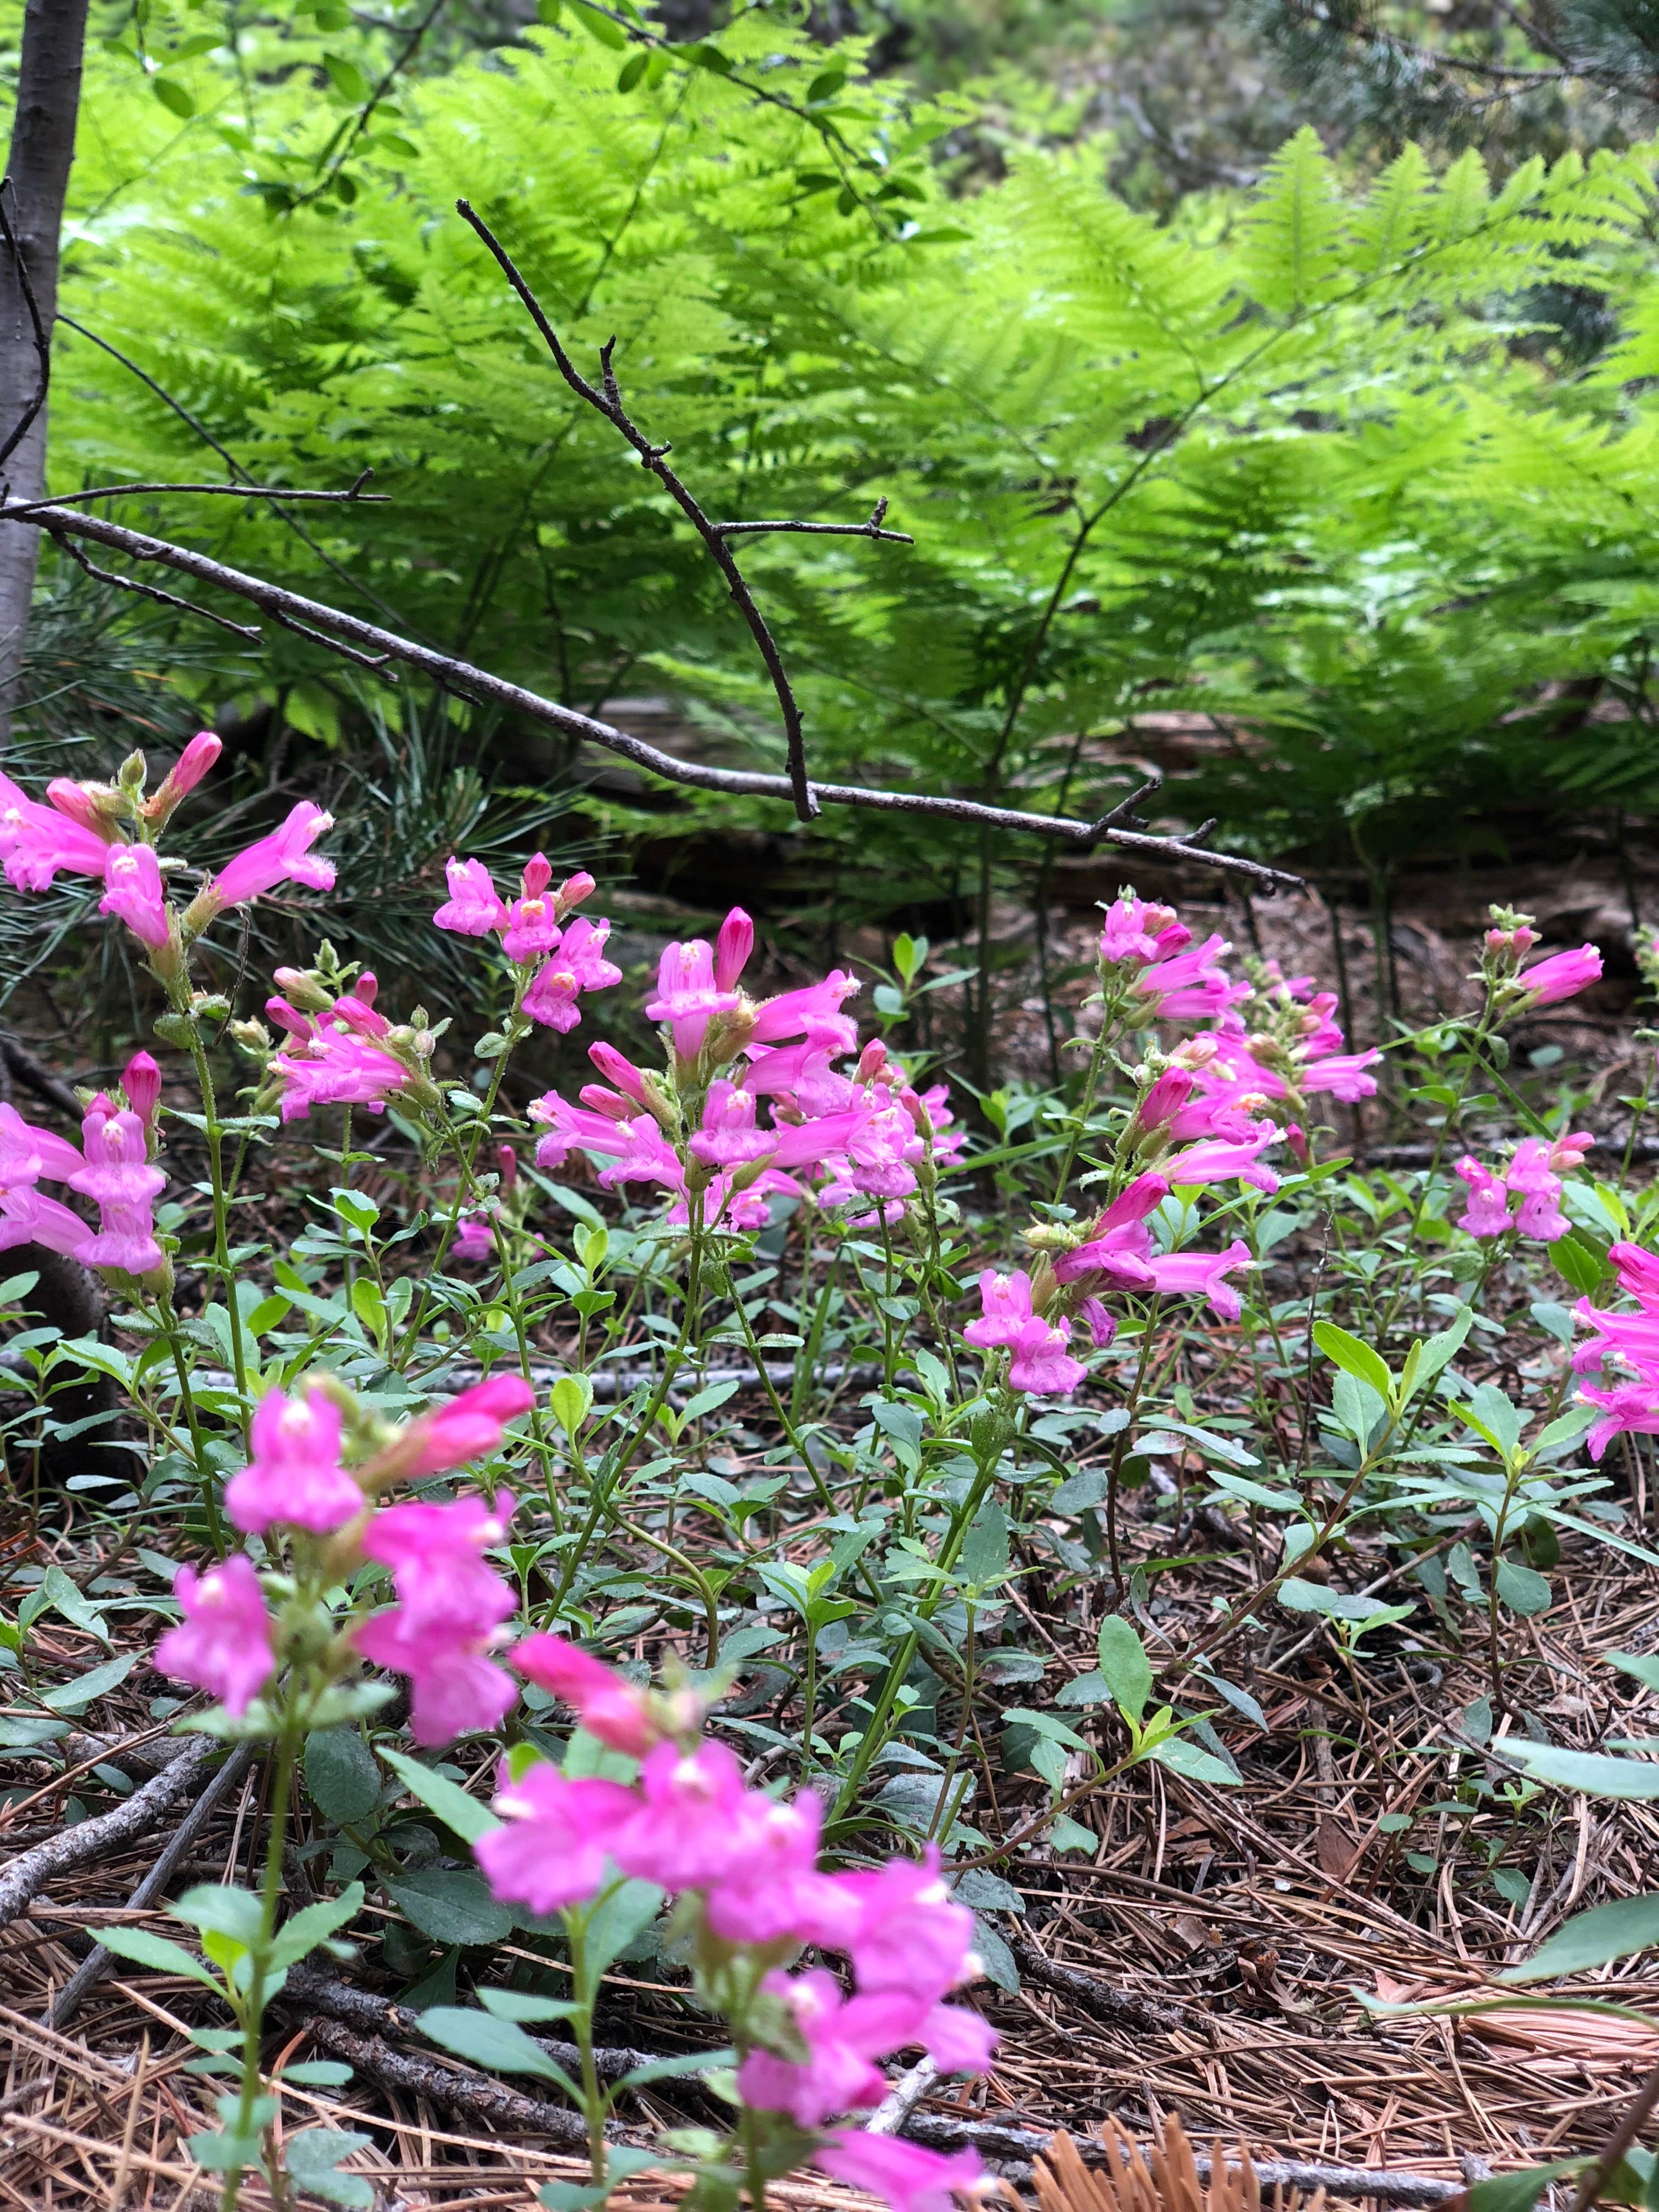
(413, 1468)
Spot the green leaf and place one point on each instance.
(500, 2046)
(1354, 1357)
(1644, 1665)
(451, 1904)
(621, 1914)
(1518, 2192)
(1185, 1758)
(298, 1937)
(75, 1697)
(1088, 1689)
(59, 1594)
(174, 97)
(314, 2159)
(631, 71)
(1521, 1589)
(519, 2005)
(218, 1909)
(600, 26)
(687, 2062)
(1590, 1939)
(159, 1953)
(464, 1813)
(342, 1775)
(1573, 1257)
(1628, 1781)
(1124, 1666)
(571, 1397)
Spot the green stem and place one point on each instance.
(221, 1224)
(168, 1322)
(253, 2005)
(1441, 1139)
(581, 2024)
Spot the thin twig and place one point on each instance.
(24, 1877)
(353, 495)
(43, 351)
(248, 630)
(477, 683)
(98, 1962)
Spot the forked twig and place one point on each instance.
(353, 495)
(249, 630)
(479, 684)
(608, 402)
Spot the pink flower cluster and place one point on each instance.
(337, 1056)
(1168, 977)
(567, 960)
(1631, 1340)
(843, 1138)
(112, 1167)
(78, 833)
(1533, 1175)
(451, 1605)
(691, 1825)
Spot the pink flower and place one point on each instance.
(1214, 1161)
(843, 2036)
(199, 756)
(223, 1645)
(1042, 1362)
(732, 947)
(1628, 1407)
(772, 1888)
(1136, 932)
(295, 1474)
(617, 1068)
(26, 1217)
(1638, 1273)
(141, 1079)
(605, 1703)
(37, 843)
(688, 1830)
(573, 890)
(285, 856)
(27, 1153)
(1633, 1338)
(532, 930)
(449, 1605)
(1342, 1074)
(910, 1934)
(1529, 1173)
(1203, 1274)
(333, 1067)
(78, 802)
(879, 1150)
(135, 894)
(1487, 1213)
(728, 1136)
(814, 1010)
(474, 1241)
(903, 2174)
(125, 1240)
(1102, 1326)
(1193, 986)
(1562, 975)
(116, 1170)
(1005, 1308)
(688, 997)
(579, 965)
(1118, 1242)
(469, 1427)
(454, 1686)
(556, 1837)
(473, 907)
(1162, 1102)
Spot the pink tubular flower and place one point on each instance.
(335, 1068)
(223, 1645)
(687, 1831)
(474, 907)
(115, 1169)
(1042, 1363)
(1005, 1308)
(1487, 1213)
(732, 947)
(285, 856)
(199, 757)
(78, 802)
(772, 1888)
(125, 1239)
(1135, 931)
(1157, 1111)
(1118, 1242)
(605, 1703)
(1193, 986)
(1629, 1408)
(1102, 1326)
(814, 1011)
(1341, 1075)
(1215, 1161)
(1638, 1273)
(617, 1068)
(1203, 1274)
(135, 894)
(688, 997)
(27, 1153)
(904, 2175)
(469, 1427)
(1530, 1174)
(1562, 975)
(295, 1475)
(551, 1849)
(141, 1079)
(474, 1241)
(532, 930)
(449, 1605)
(843, 2036)
(37, 843)
(1633, 1338)
(26, 1218)
(910, 1934)
(579, 965)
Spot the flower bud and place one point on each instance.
(732, 947)
(507, 1161)
(872, 1062)
(537, 875)
(93, 806)
(131, 773)
(141, 1079)
(182, 778)
(366, 987)
(572, 891)
(303, 990)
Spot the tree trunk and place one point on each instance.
(37, 179)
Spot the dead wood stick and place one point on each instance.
(472, 2094)
(27, 1875)
(1013, 2150)
(309, 1991)
(902, 2100)
(98, 1960)
(1116, 2008)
